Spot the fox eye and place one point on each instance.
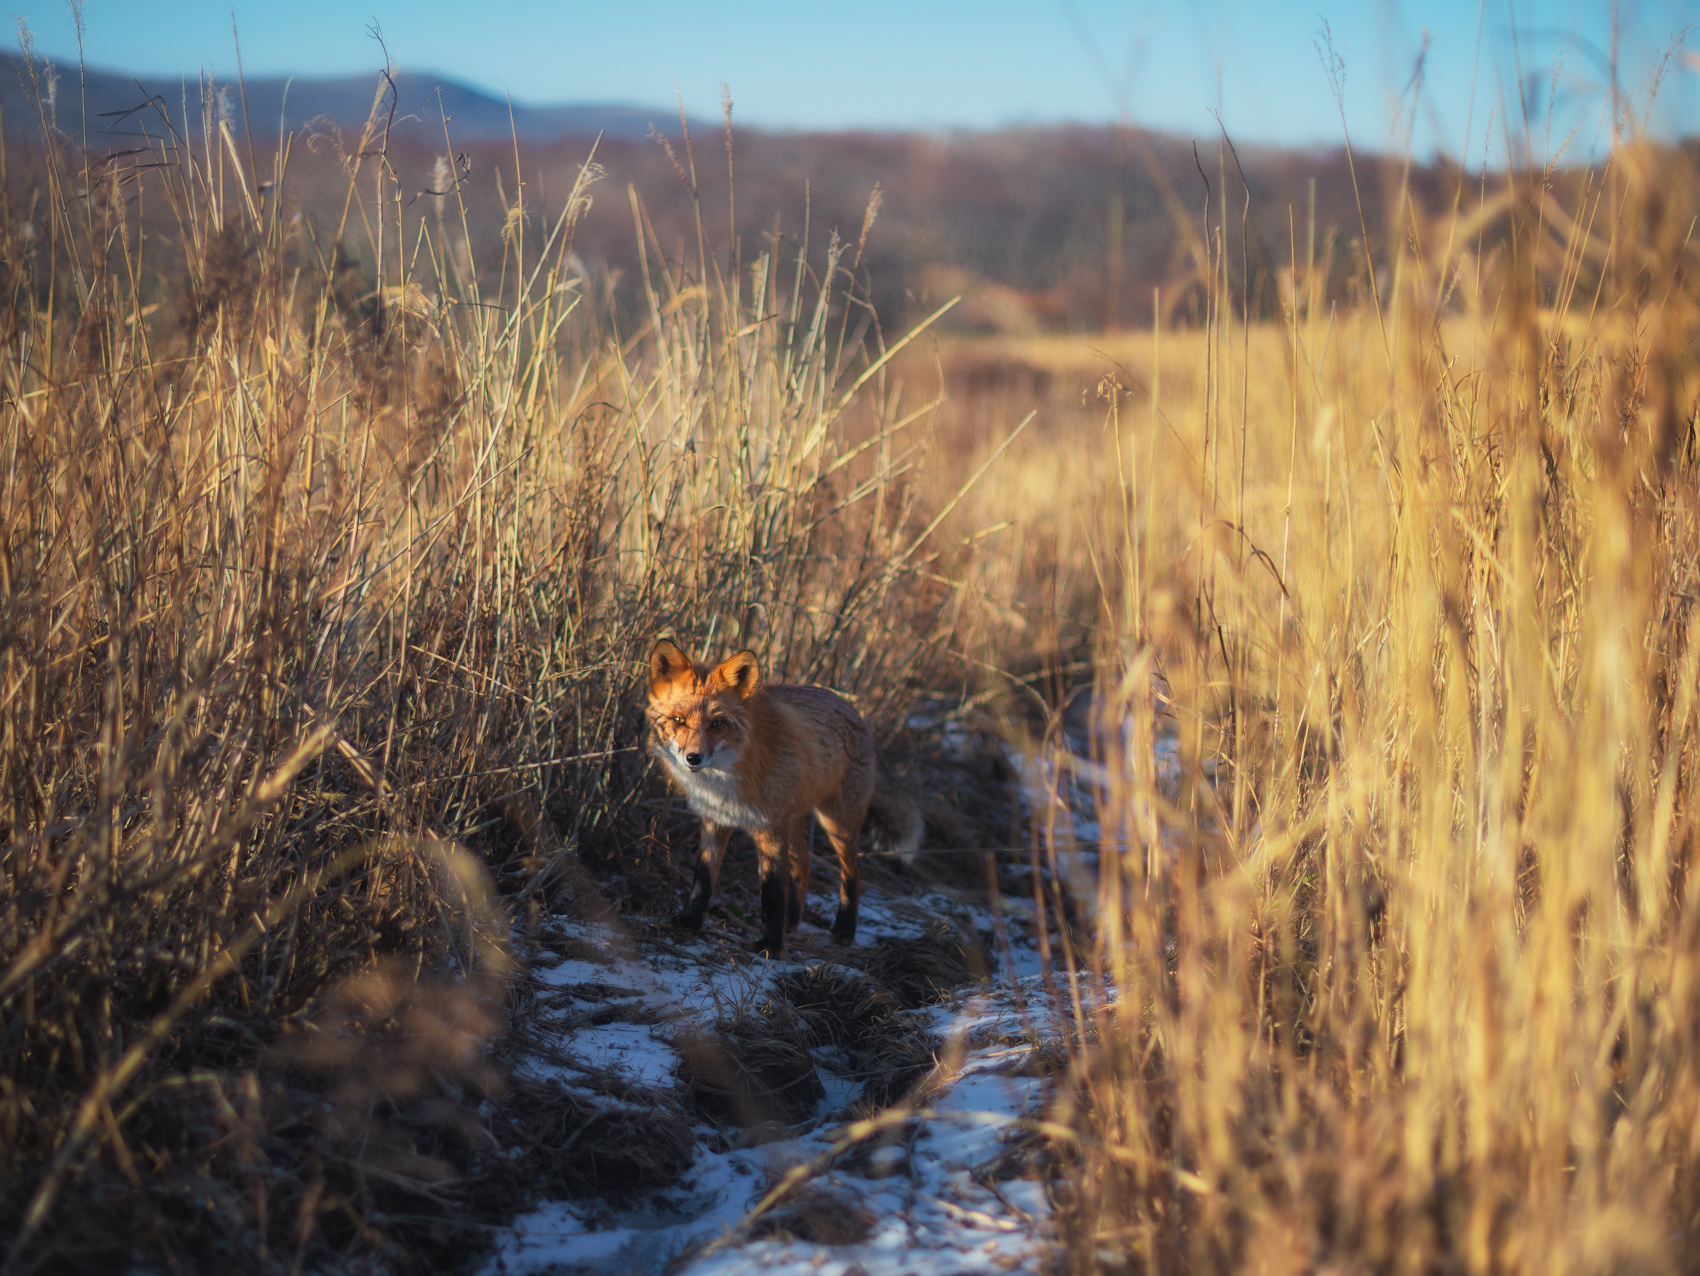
(678, 721)
(714, 724)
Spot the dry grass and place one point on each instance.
(1400, 974)
(323, 585)
(324, 582)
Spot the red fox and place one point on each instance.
(760, 757)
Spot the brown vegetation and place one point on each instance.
(1398, 975)
(326, 572)
(329, 547)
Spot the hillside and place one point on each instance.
(290, 104)
(1062, 228)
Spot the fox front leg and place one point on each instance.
(775, 891)
(714, 840)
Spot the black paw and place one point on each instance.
(769, 948)
(844, 930)
(689, 920)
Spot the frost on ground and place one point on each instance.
(785, 1069)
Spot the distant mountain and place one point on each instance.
(1017, 222)
(422, 100)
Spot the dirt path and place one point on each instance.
(779, 1070)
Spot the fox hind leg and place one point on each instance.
(844, 832)
(799, 867)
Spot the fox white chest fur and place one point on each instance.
(712, 790)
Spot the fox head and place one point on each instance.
(698, 713)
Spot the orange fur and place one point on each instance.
(763, 757)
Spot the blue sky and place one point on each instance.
(936, 64)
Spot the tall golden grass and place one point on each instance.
(329, 559)
(329, 553)
(1402, 973)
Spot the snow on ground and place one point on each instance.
(922, 1201)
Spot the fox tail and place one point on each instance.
(894, 822)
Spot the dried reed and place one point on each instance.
(1400, 973)
(328, 555)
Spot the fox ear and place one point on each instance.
(667, 664)
(740, 674)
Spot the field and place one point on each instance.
(1359, 646)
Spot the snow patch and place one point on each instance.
(926, 1199)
